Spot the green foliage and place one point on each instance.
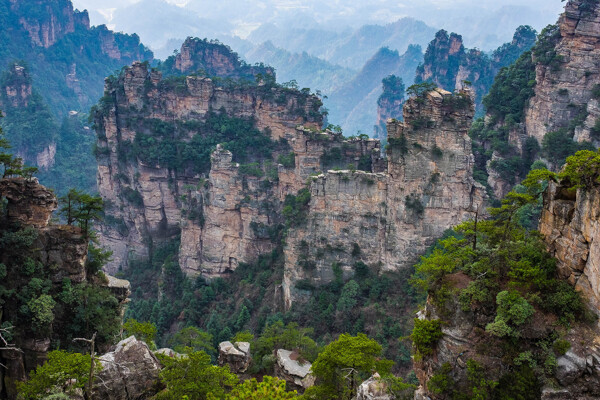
(81, 208)
(561, 346)
(557, 146)
(269, 389)
(193, 339)
(582, 169)
(280, 336)
(343, 363)
(512, 311)
(426, 334)
(287, 160)
(295, 208)
(419, 90)
(41, 311)
(193, 377)
(480, 387)
(512, 89)
(393, 90)
(155, 142)
(544, 51)
(144, 331)
(441, 382)
(61, 370)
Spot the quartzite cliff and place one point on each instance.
(386, 210)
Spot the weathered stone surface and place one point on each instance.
(373, 389)
(215, 60)
(49, 27)
(569, 368)
(129, 372)
(61, 252)
(65, 248)
(236, 211)
(296, 373)
(29, 203)
(570, 223)
(386, 220)
(563, 93)
(237, 356)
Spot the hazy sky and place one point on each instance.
(160, 20)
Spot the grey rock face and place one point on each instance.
(373, 389)
(293, 371)
(129, 372)
(237, 356)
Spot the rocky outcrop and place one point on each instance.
(389, 104)
(28, 202)
(56, 20)
(573, 375)
(214, 59)
(565, 84)
(236, 356)
(17, 89)
(129, 372)
(373, 389)
(295, 372)
(558, 83)
(570, 224)
(222, 213)
(36, 256)
(448, 64)
(386, 220)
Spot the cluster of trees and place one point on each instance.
(510, 278)
(11, 165)
(339, 368)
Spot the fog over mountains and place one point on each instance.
(328, 46)
(485, 24)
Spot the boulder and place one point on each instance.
(569, 368)
(129, 372)
(373, 389)
(290, 369)
(237, 356)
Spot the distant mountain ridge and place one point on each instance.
(59, 63)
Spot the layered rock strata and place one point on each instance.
(381, 213)
(565, 90)
(233, 209)
(293, 370)
(386, 220)
(40, 252)
(570, 223)
(130, 371)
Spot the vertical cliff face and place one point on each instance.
(567, 74)
(389, 104)
(156, 171)
(570, 225)
(476, 334)
(213, 59)
(19, 101)
(545, 99)
(44, 279)
(386, 220)
(430, 168)
(448, 64)
(54, 21)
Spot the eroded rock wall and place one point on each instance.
(570, 223)
(386, 220)
(564, 90)
(228, 212)
(39, 254)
